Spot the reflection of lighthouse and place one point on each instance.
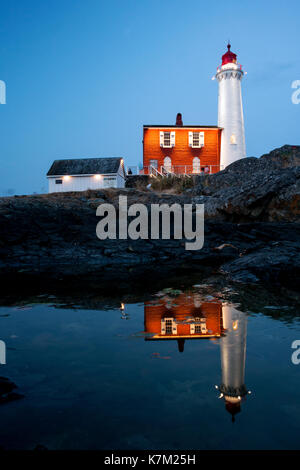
(230, 112)
(233, 356)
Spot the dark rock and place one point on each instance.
(252, 212)
(260, 189)
(7, 393)
(40, 447)
(137, 181)
(6, 386)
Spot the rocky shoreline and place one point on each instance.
(252, 232)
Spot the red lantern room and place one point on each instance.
(229, 57)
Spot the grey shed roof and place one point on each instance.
(84, 166)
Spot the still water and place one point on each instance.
(173, 372)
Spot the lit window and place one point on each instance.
(233, 139)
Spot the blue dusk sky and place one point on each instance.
(83, 76)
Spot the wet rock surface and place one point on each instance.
(252, 232)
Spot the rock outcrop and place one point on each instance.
(252, 232)
(254, 189)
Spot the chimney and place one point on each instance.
(179, 120)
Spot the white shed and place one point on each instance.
(80, 174)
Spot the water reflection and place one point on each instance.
(233, 358)
(187, 317)
(91, 380)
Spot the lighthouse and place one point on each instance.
(230, 109)
(233, 357)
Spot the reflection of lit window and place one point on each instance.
(169, 324)
(235, 324)
(233, 139)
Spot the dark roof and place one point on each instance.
(180, 127)
(84, 166)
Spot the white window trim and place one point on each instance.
(162, 139)
(163, 326)
(199, 322)
(201, 139)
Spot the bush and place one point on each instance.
(177, 184)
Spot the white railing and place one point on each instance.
(154, 171)
(178, 170)
(235, 66)
(184, 170)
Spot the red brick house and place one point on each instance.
(181, 149)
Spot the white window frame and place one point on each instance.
(167, 139)
(196, 139)
(200, 323)
(164, 326)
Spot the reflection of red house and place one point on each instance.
(183, 317)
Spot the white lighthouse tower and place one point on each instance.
(230, 109)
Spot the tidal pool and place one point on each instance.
(173, 372)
